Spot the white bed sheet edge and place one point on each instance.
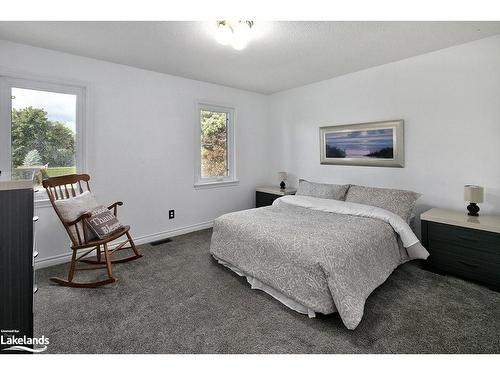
(257, 284)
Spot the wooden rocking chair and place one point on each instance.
(64, 187)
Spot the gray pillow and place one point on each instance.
(102, 222)
(327, 191)
(400, 202)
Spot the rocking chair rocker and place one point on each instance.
(65, 187)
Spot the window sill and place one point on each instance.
(215, 184)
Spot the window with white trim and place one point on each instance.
(215, 146)
(40, 130)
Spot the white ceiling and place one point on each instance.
(281, 55)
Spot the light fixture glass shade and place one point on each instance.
(235, 33)
(241, 35)
(282, 176)
(223, 34)
(239, 44)
(473, 194)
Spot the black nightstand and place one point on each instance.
(462, 245)
(265, 196)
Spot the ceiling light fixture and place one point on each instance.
(235, 33)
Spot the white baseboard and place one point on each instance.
(140, 240)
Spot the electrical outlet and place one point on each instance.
(171, 214)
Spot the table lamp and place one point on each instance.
(282, 176)
(473, 194)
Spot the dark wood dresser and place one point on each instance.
(265, 196)
(462, 245)
(16, 261)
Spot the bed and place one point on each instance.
(314, 254)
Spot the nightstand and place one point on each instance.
(462, 245)
(265, 196)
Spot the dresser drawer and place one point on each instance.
(264, 199)
(464, 252)
(477, 240)
(473, 269)
(452, 249)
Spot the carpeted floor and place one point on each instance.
(176, 299)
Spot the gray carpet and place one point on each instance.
(176, 299)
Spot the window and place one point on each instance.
(215, 149)
(40, 130)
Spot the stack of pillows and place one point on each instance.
(400, 202)
(101, 223)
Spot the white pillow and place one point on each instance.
(72, 208)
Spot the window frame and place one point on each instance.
(7, 82)
(230, 179)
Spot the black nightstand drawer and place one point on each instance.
(468, 253)
(473, 269)
(265, 196)
(264, 199)
(450, 249)
(468, 238)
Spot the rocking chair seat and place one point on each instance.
(112, 236)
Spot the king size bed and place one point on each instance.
(322, 251)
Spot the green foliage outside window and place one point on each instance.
(38, 141)
(213, 144)
(52, 140)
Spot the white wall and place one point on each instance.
(141, 144)
(450, 102)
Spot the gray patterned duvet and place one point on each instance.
(324, 260)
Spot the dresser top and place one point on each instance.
(459, 218)
(276, 190)
(16, 184)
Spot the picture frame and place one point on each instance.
(375, 144)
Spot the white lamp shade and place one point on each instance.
(282, 176)
(473, 193)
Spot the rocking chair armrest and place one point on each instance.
(114, 206)
(119, 203)
(86, 215)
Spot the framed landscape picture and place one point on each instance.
(378, 144)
